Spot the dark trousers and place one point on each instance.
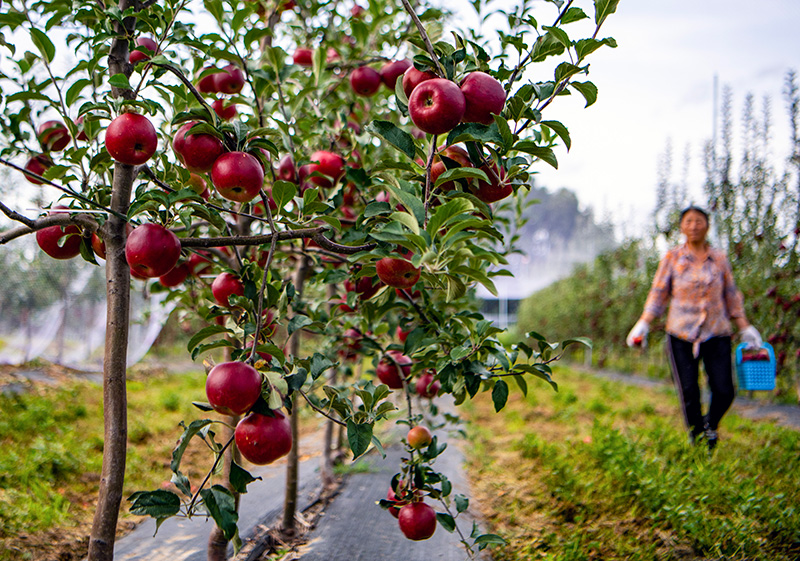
(716, 356)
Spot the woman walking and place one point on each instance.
(696, 282)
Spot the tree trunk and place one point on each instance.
(326, 467)
(290, 500)
(115, 399)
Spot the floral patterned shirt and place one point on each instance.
(701, 294)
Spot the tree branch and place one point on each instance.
(428, 45)
(85, 221)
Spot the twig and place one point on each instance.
(260, 308)
(188, 84)
(251, 240)
(325, 243)
(428, 186)
(70, 192)
(428, 45)
(320, 411)
(220, 454)
(13, 215)
(463, 539)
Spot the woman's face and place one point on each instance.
(694, 226)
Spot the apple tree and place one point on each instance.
(342, 173)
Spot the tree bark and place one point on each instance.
(217, 543)
(115, 399)
(290, 499)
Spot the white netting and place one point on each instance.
(55, 310)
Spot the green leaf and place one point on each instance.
(588, 90)
(572, 15)
(74, 91)
(44, 44)
(221, 506)
(194, 428)
(283, 192)
(461, 173)
(319, 364)
(477, 132)
(560, 130)
(505, 131)
(205, 333)
(565, 70)
(560, 35)
(119, 81)
(407, 220)
(240, 478)
(359, 435)
(500, 395)
(462, 503)
(394, 135)
(299, 321)
(541, 152)
(447, 522)
(603, 9)
(159, 504)
(585, 47)
(460, 353)
(492, 539)
(585, 341)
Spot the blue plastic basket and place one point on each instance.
(756, 375)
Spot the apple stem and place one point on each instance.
(428, 45)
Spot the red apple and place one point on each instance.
(397, 273)
(198, 152)
(366, 287)
(417, 521)
(401, 334)
(131, 139)
(303, 56)
(497, 188)
(391, 496)
(286, 169)
(225, 286)
(328, 164)
(53, 136)
(207, 84)
(232, 388)
(237, 176)
(60, 242)
(286, 5)
(81, 128)
(199, 263)
(230, 80)
(413, 78)
(223, 111)
(332, 55)
(391, 71)
(357, 11)
(152, 250)
(264, 356)
(37, 164)
(137, 55)
(388, 371)
(263, 439)
(427, 385)
(365, 81)
(455, 153)
(419, 437)
(436, 106)
(484, 96)
(175, 276)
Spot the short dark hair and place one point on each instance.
(696, 209)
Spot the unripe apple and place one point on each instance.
(237, 176)
(413, 78)
(427, 385)
(391, 71)
(175, 276)
(263, 439)
(397, 273)
(303, 56)
(390, 373)
(60, 242)
(328, 164)
(131, 139)
(436, 106)
(53, 136)
(198, 152)
(152, 250)
(136, 55)
(484, 95)
(417, 521)
(365, 81)
(225, 286)
(419, 437)
(232, 388)
(230, 80)
(37, 164)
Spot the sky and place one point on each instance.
(657, 86)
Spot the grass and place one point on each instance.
(52, 440)
(602, 470)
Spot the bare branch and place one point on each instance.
(17, 217)
(252, 240)
(85, 221)
(325, 243)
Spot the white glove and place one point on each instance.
(638, 335)
(751, 337)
